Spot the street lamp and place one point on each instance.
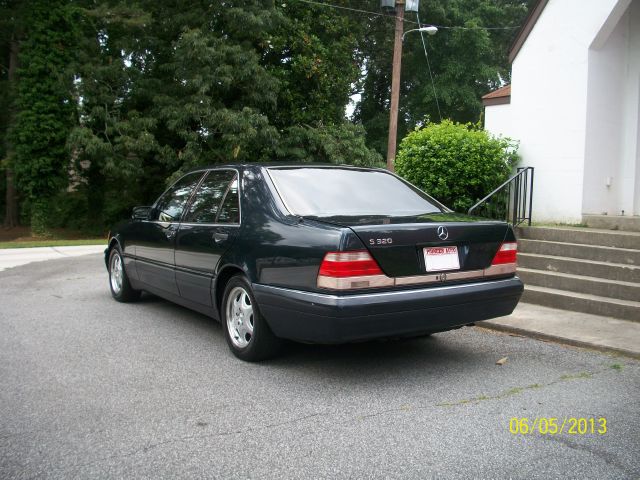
(431, 30)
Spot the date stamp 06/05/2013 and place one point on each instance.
(558, 426)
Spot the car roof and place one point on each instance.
(257, 165)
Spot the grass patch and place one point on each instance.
(513, 391)
(518, 390)
(22, 237)
(481, 398)
(576, 376)
(616, 366)
(54, 243)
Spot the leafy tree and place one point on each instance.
(456, 163)
(342, 143)
(313, 53)
(129, 94)
(219, 98)
(116, 155)
(166, 88)
(12, 13)
(45, 110)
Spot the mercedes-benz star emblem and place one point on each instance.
(443, 233)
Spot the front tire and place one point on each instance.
(245, 329)
(119, 284)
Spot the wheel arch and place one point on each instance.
(113, 241)
(223, 277)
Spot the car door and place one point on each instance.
(155, 237)
(208, 229)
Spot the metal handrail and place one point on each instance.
(519, 196)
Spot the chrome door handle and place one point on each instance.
(220, 237)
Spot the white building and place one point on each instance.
(574, 105)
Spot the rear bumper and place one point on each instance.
(323, 318)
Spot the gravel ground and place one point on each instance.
(90, 388)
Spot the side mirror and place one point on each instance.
(140, 213)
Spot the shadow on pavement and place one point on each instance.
(462, 351)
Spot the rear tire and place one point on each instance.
(245, 329)
(119, 284)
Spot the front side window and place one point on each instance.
(206, 202)
(334, 191)
(170, 206)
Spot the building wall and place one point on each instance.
(636, 201)
(611, 165)
(548, 107)
(630, 171)
(497, 119)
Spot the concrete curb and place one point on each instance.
(557, 338)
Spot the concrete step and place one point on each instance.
(581, 284)
(613, 222)
(576, 266)
(581, 302)
(576, 250)
(583, 236)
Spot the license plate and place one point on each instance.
(438, 259)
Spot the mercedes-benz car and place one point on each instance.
(313, 253)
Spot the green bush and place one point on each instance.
(456, 163)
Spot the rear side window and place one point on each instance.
(328, 192)
(206, 202)
(230, 210)
(170, 205)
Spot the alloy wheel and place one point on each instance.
(116, 273)
(239, 312)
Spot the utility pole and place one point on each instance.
(395, 86)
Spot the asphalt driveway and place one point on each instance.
(90, 388)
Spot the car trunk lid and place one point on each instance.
(410, 246)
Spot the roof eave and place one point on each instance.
(528, 25)
(487, 102)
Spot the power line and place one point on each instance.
(433, 85)
(378, 14)
(340, 7)
(477, 28)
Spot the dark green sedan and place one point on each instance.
(313, 253)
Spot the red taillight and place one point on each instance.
(349, 264)
(506, 254)
(351, 270)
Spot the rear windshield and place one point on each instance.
(329, 192)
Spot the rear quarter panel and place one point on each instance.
(274, 248)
